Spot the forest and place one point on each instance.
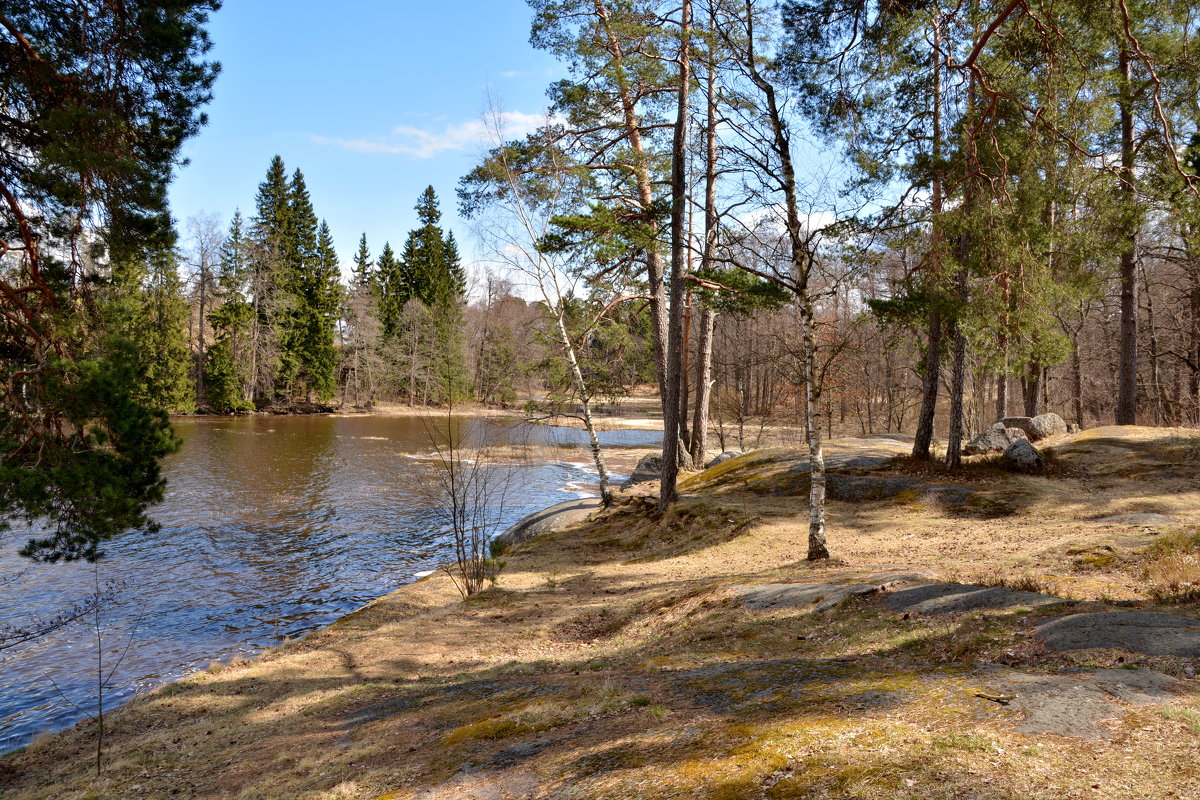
(743, 243)
(862, 217)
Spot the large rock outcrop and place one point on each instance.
(1039, 427)
(721, 459)
(548, 520)
(1021, 456)
(995, 439)
(1017, 422)
(1045, 425)
(649, 468)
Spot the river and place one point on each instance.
(271, 527)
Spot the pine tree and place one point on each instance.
(96, 108)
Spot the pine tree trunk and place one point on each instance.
(1156, 385)
(711, 221)
(958, 336)
(959, 370)
(1032, 385)
(929, 388)
(923, 440)
(645, 187)
(1077, 381)
(672, 413)
(802, 263)
(686, 370)
(1126, 412)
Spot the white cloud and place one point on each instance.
(427, 142)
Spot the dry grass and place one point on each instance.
(612, 661)
(1171, 570)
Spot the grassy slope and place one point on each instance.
(612, 661)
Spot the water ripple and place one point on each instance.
(271, 528)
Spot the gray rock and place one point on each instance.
(548, 520)
(649, 468)
(1137, 631)
(1072, 428)
(1061, 705)
(1044, 425)
(1074, 705)
(1017, 422)
(820, 596)
(1138, 687)
(1015, 433)
(721, 459)
(860, 488)
(994, 440)
(951, 598)
(1021, 456)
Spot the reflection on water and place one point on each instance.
(271, 527)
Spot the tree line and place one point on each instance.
(862, 216)
(971, 209)
(256, 316)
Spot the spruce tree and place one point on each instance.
(430, 258)
(364, 267)
(147, 308)
(234, 270)
(361, 362)
(393, 287)
(270, 236)
(320, 303)
(431, 264)
(297, 279)
(272, 223)
(228, 367)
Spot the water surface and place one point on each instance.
(272, 527)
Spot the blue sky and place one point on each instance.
(372, 100)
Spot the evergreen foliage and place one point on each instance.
(156, 328)
(96, 107)
(227, 368)
(393, 287)
(430, 272)
(296, 289)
